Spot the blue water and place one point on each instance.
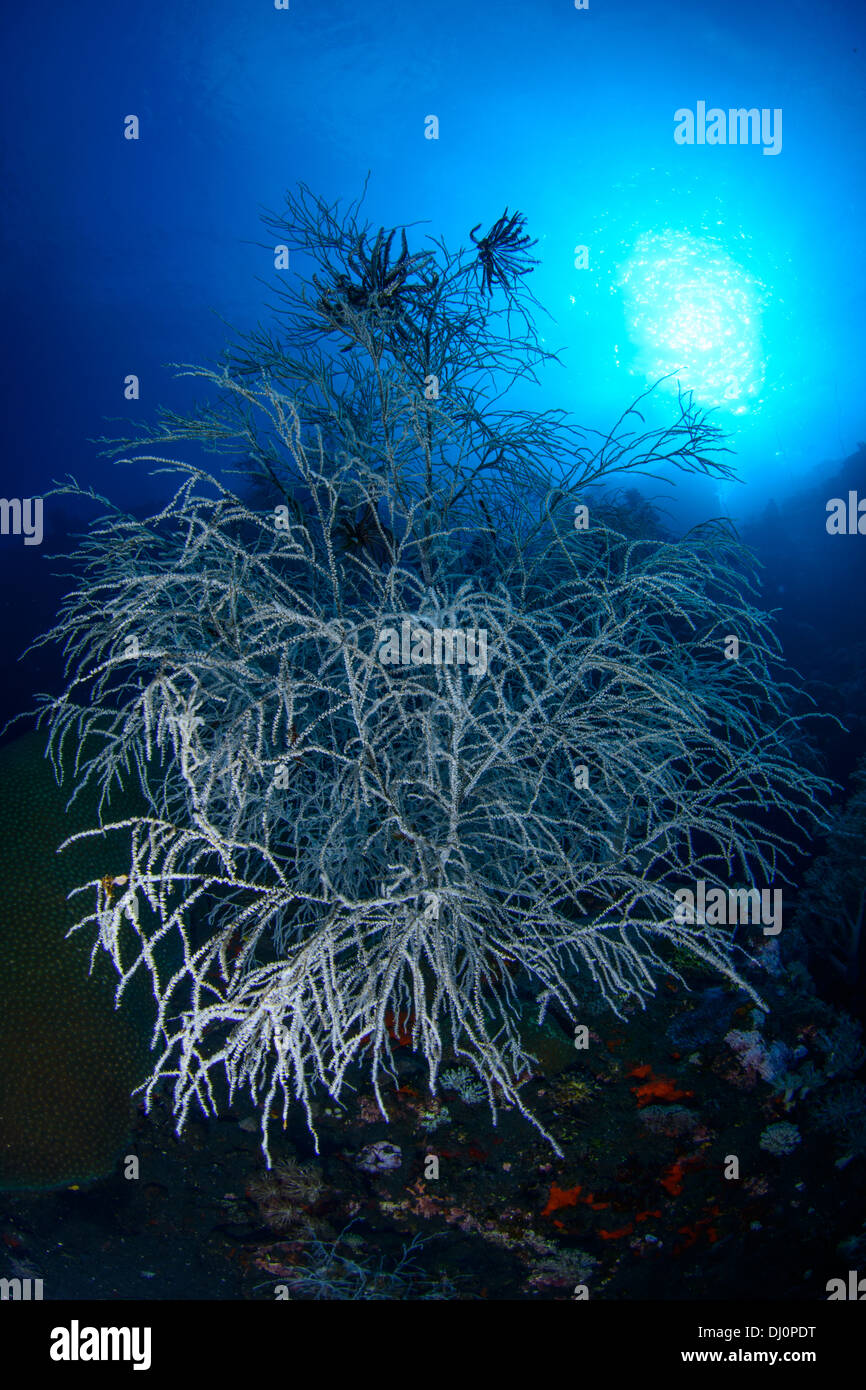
(742, 268)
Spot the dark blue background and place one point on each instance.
(121, 256)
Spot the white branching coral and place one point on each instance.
(333, 842)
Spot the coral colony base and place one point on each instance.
(339, 847)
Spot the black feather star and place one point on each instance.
(380, 287)
(364, 532)
(502, 253)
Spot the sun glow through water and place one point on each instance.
(693, 312)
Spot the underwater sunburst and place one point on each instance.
(695, 314)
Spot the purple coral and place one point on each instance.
(380, 1157)
(756, 1058)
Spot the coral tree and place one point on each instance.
(336, 843)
